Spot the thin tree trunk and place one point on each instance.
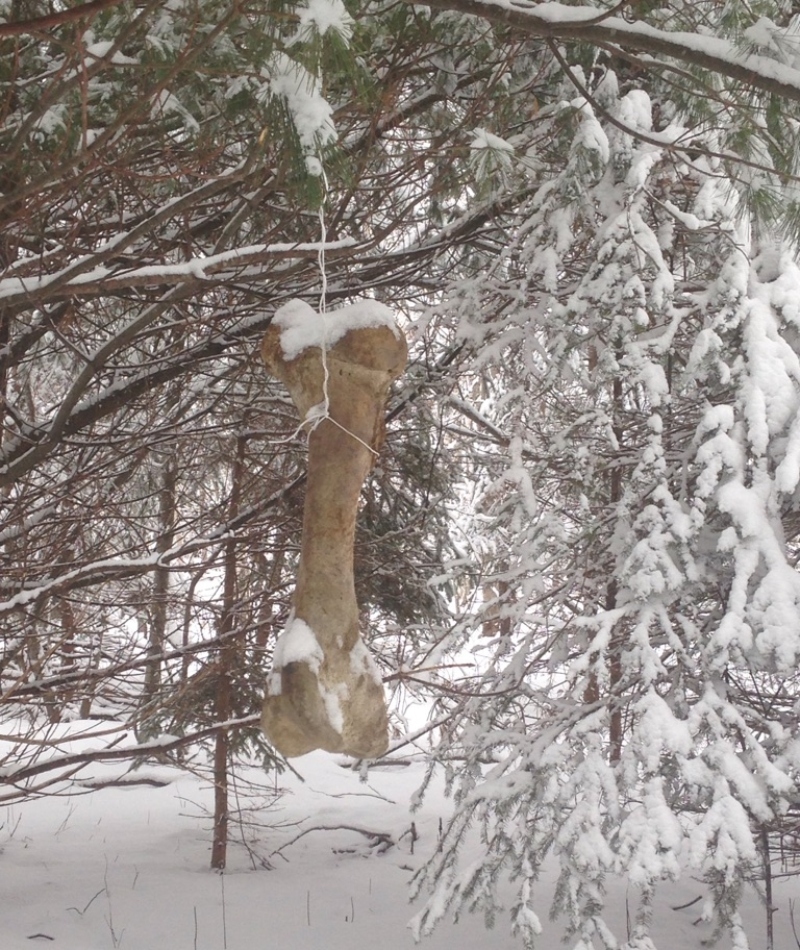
(223, 705)
(617, 641)
(158, 625)
(592, 689)
(770, 908)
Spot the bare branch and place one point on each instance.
(48, 20)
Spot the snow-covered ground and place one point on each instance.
(129, 867)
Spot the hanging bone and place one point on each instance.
(325, 691)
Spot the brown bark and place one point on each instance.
(157, 627)
(50, 20)
(223, 701)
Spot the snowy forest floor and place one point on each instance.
(128, 867)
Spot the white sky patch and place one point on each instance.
(302, 327)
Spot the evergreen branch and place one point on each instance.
(48, 20)
(581, 24)
(659, 140)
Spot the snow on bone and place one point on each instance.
(324, 691)
(302, 327)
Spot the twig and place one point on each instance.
(96, 784)
(378, 839)
(688, 903)
(80, 913)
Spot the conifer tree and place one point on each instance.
(636, 529)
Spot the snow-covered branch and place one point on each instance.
(68, 763)
(590, 24)
(240, 264)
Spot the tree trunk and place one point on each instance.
(223, 705)
(158, 623)
(617, 639)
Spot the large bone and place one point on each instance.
(325, 691)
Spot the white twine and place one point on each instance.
(323, 304)
(320, 412)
